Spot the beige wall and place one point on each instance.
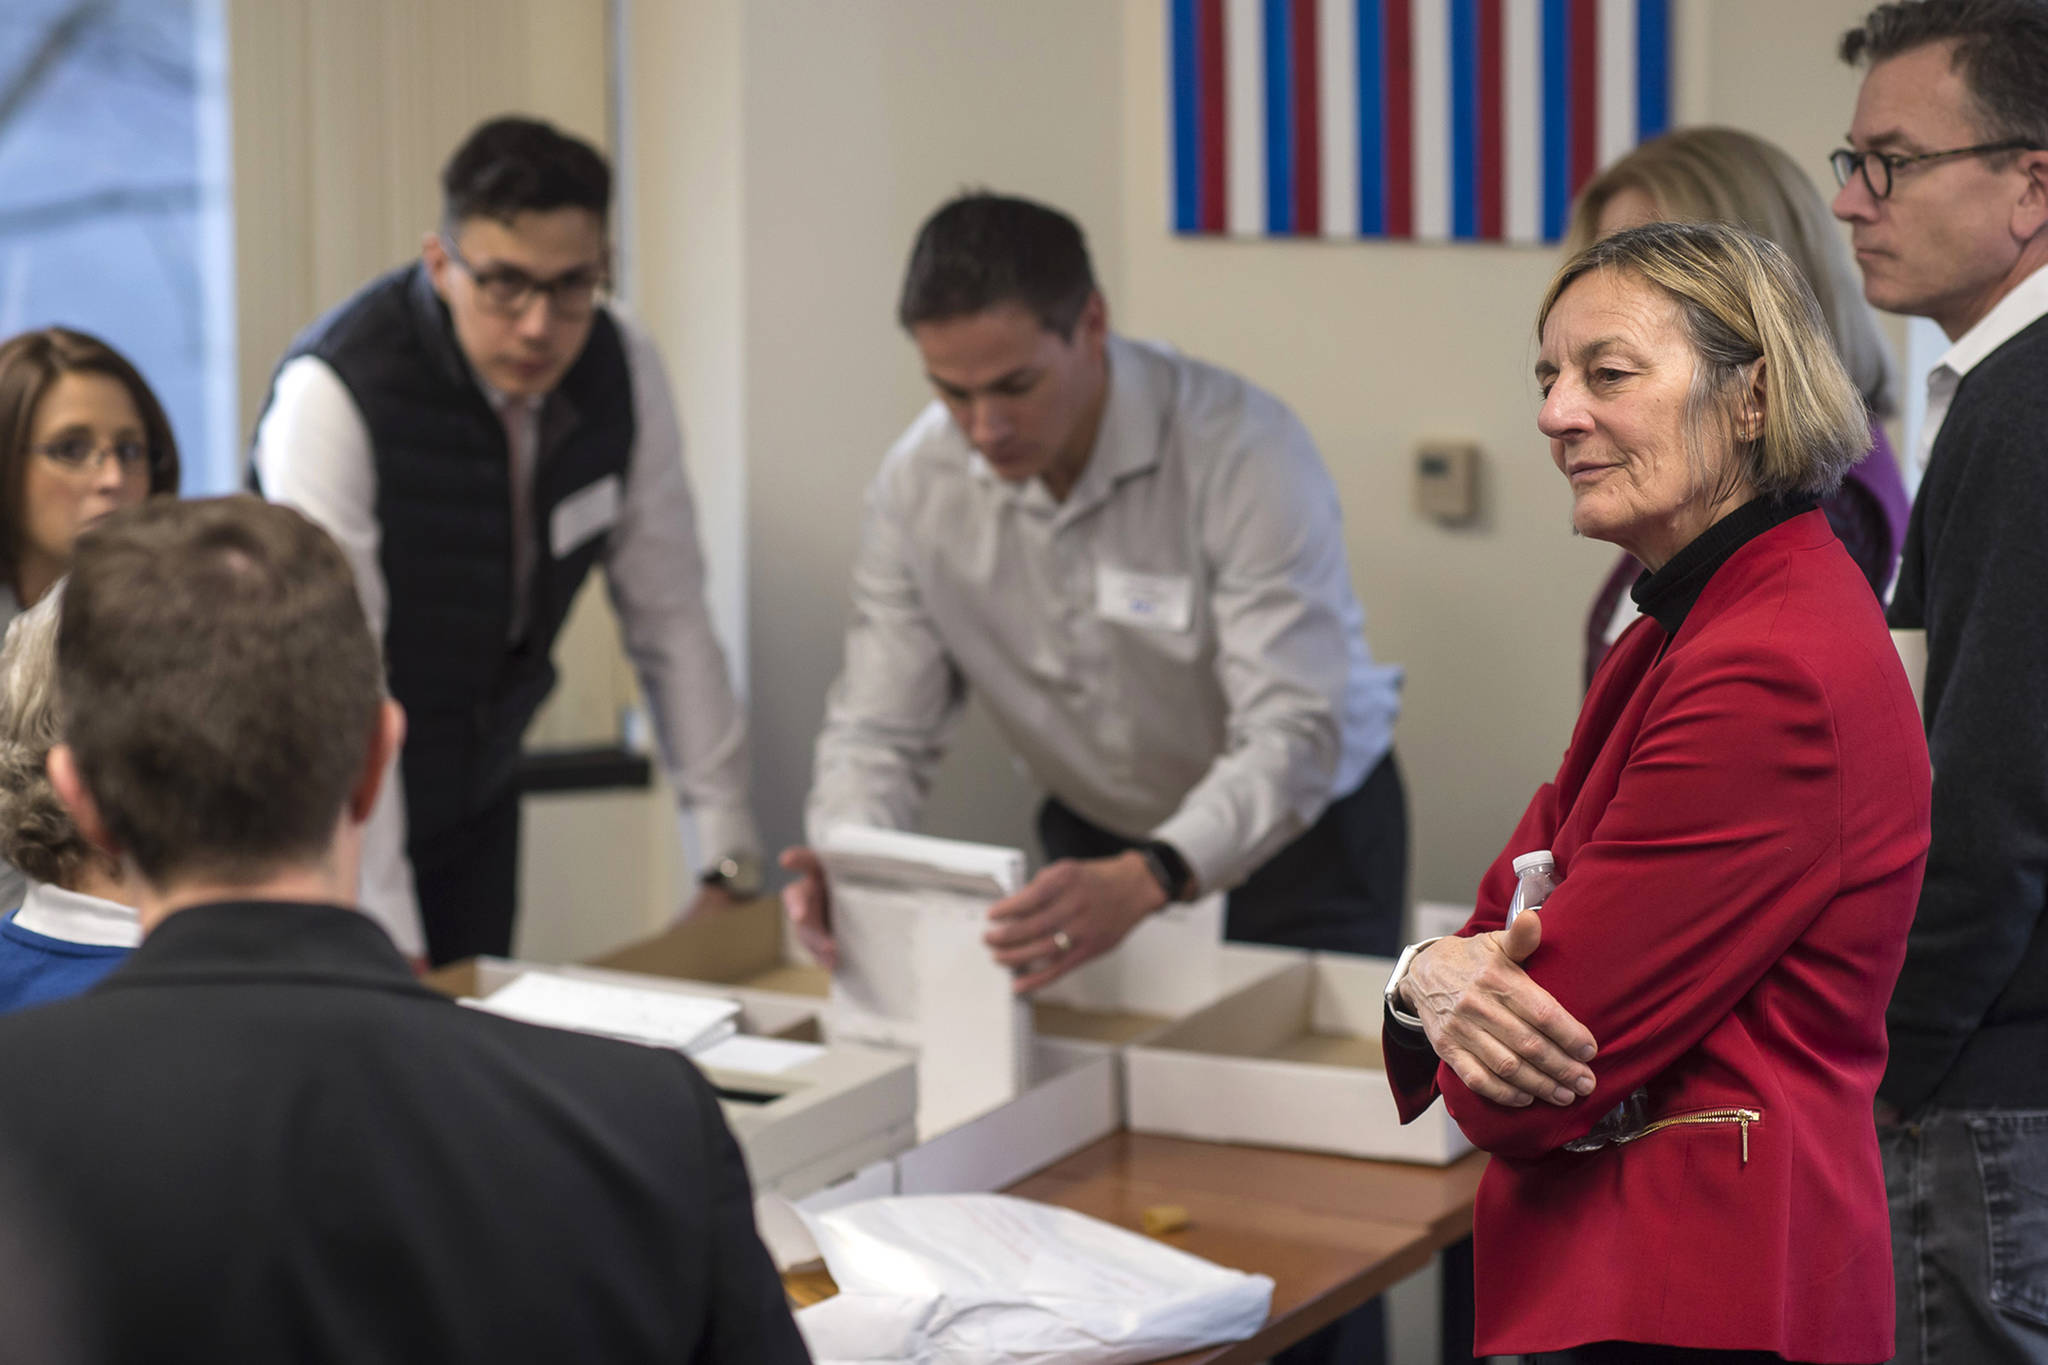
(777, 156)
(1379, 346)
(783, 153)
(840, 125)
(344, 111)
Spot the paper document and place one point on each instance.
(668, 1019)
(761, 1056)
(1011, 1282)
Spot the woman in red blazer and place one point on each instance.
(1738, 826)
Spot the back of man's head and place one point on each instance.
(220, 687)
(2001, 52)
(511, 166)
(983, 250)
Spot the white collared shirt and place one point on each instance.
(2010, 316)
(313, 452)
(53, 912)
(1174, 651)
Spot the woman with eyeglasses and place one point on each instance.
(81, 435)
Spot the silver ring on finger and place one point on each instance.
(1062, 942)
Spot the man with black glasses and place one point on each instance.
(478, 429)
(1945, 190)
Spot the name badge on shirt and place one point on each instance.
(581, 515)
(1158, 601)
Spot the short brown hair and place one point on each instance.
(29, 364)
(982, 250)
(2001, 52)
(218, 684)
(1740, 300)
(36, 832)
(1724, 175)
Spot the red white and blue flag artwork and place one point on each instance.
(1438, 120)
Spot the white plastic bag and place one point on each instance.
(984, 1278)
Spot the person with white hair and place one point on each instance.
(73, 917)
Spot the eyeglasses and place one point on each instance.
(83, 452)
(1847, 160)
(509, 291)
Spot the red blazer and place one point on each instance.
(1740, 824)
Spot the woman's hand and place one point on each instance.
(1503, 1034)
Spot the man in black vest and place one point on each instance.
(477, 429)
(260, 1138)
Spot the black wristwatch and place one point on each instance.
(736, 874)
(1168, 868)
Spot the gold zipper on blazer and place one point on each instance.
(1741, 1117)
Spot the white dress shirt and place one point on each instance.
(53, 912)
(2009, 317)
(1174, 651)
(313, 453)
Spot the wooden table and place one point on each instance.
(1332, 1231)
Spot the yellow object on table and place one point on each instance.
(1160, 1219)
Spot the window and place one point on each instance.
(115, 208)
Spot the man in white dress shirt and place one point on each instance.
(477, 429)
(1138, 562)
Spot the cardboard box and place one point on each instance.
(909, 913)
(1438, 919)
(802, 1129)
(741, 948)
(1173, 964)
(799, 1129)
(1072, 1102)
(1291, 1060)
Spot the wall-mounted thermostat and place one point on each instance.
(1447, 481)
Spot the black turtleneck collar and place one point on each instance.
(1669, 593)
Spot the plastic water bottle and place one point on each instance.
(1535, 879)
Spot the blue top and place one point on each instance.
(36, 969)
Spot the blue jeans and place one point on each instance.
(1969, 1204)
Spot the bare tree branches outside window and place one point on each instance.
(114, 200)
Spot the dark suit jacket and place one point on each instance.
(1739, 825)
(266, 1141)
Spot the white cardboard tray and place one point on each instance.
(1290, 1060)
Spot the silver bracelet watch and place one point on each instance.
(1400, 973)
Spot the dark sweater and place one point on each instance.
(1969, 1021)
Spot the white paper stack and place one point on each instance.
(655, 1018)
(909, 913)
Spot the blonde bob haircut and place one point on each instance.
(1741, 300)
(1721, 175)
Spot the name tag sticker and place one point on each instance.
(581, 515)
(1158, 601)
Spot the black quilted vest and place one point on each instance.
(444, 505)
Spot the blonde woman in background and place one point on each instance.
(1722, 175)
(77, 919)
